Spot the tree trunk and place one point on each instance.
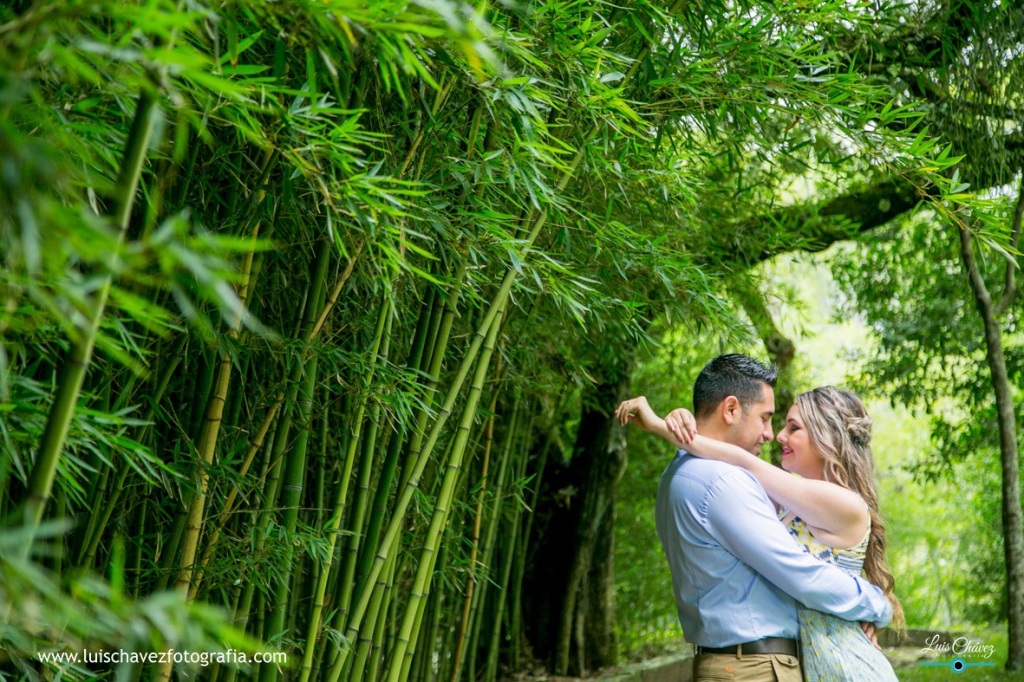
(570, 615)
(1013, 518)
(601, 646)
(780, 349)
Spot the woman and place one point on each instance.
(831, 509)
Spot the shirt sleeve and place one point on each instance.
(739, 515)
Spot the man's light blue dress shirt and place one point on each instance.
(737, 573)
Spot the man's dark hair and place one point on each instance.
(733, 374)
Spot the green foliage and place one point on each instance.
(39, 616)
(573, 172)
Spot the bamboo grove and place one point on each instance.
(301, 299)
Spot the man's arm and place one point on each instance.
(741, 518)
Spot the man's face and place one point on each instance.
(752, 427)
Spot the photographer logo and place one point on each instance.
(965, 652)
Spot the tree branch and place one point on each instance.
(973, 273)
(816, 227)
(1010, 289)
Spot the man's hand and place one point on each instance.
(682, 425)
(871, 633)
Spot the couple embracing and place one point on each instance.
(766, 566)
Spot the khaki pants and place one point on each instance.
(751, 667)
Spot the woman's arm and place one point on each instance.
(638, 412)
(840, 513)
(837, 511)
(822, 505)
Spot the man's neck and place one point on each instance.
(712, 430)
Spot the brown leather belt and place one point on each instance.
(768, 645)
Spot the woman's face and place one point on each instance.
(798, 453)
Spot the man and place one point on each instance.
(737, 574)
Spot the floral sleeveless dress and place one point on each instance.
(836, 650)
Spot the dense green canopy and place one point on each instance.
(315, 311)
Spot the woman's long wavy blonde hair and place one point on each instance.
(840, 429)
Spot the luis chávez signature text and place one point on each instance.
(961, 646)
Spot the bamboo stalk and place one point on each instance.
(98, 522)
(201, 392)
(313, 631)
(98, 489)
(234, 408)
(437, 352)
(207, 443)
(58, 420)
(439, 518)
(269, 418)
(296, 465)
(517, 584)
(205, 451)
(259, 630)
(199, 571)
(494, 519)
(225, 514)
(431, 327)
(440, 331)
(475, 542)
(136, 562)
(492, 528)
(376, 649)
(244, 606)
(491, 671)
(513, 550)
(366, 640)
(424, 656)
(426, 328)
(206, 447)
(335, 293)
(58, 550)
(442, 95)
(417, 467)
(325, 488)
(170, 552)
(358, 517)
(321, 484)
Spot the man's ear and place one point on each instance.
(731, 409)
